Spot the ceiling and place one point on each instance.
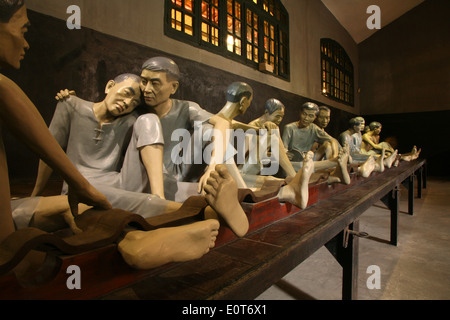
(353, 16)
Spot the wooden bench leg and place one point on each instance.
(391, 200)
(344, 248)
(424, 175)
(419, 174)
(411, 195)
(409, 185)
(393, 206)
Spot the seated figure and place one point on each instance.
(159, 81)
(371, 144)
(19, 115)
(353, 137)
(367, 163)
(371, 140)
(273, 115)
(300, 136)
(273, 112)
(95, 137)
(328, 149)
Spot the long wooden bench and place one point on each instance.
(280, 238)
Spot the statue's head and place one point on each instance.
(323, 117)
(14, 24)
(123, 94)
(308, 113)
(8, 8)
(375, 126)
(159, 80)
(240, 93)
(274, 111)
(357, 124)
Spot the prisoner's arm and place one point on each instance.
(285, 163)
(366, 139)
(240, 125)
(44, 173)
(22, 118)
(220, 144)
(152, 157)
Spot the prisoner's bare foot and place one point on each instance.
(389, 161)
(151, 249)
(340, 174)
(397, 160)
(367, 167)
(416, 155)
(222, 195)
(413, 155)
(297, 192)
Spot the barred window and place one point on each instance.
(253, 32)
(337, 72)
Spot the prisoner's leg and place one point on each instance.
(332, 150)
(150, 249)
(389, 161)
(222, 195)
(340, 174)
(297, 192)
(321, 152)
(379, 163)
(367, 167)
(53, 213)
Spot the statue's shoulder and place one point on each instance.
(8, 87)
(74, 104)
(5, 81)
(291, 125)
(147, 117)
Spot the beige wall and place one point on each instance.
(310, 21)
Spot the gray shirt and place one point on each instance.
(182, 115)
(354, 143)
(133, 176)
(302, 139)
(97, 151)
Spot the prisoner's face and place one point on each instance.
(122, 98)
(362, 126)
(377, 130)
(307, 117)
(276, 117)
(12, 39)
(357, 128)
(156, 88)
(245, 104)
(323, 119)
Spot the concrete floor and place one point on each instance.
(418, 268)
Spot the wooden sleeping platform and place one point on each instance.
(281, 237)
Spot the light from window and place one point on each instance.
(337, 72)
(250, 31)
(182, 16)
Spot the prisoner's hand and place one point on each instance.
(64, 94)
(269, 126)
(204, 179)
(88, 195)
(290, 155)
